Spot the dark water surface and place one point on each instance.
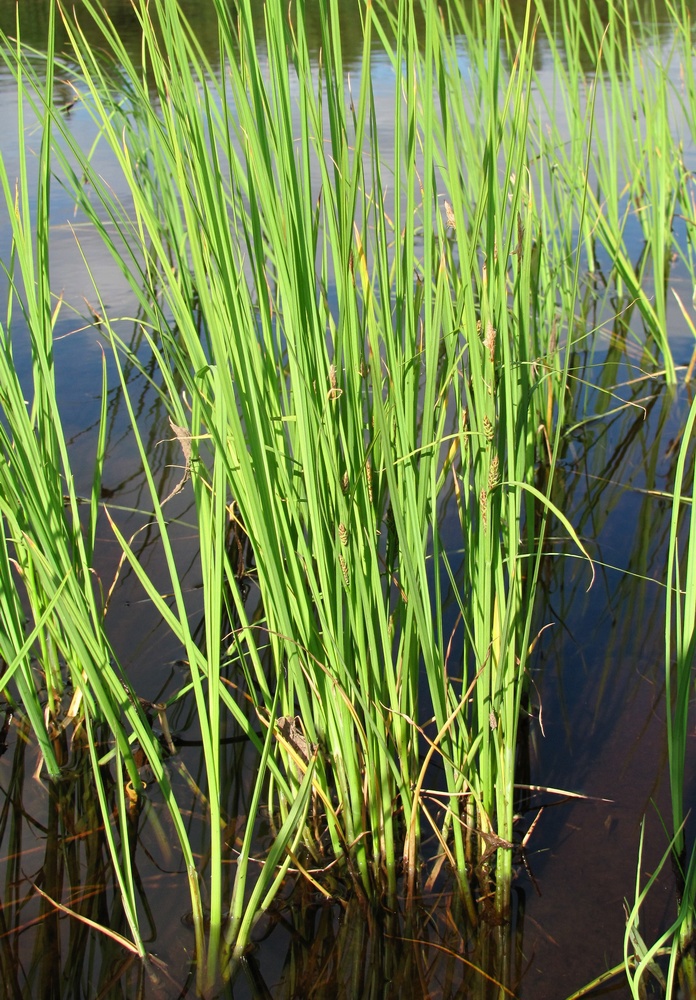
(598, 680)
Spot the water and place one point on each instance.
(597, 691)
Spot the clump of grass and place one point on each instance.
(342, 334)
(330, 396)
(56, 654)
(635, 179)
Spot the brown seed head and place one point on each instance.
(483, 504)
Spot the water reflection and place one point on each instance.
(201, 14)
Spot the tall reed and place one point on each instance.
(680, 657)
(636, 178)
(331, 396)
(343, 333)
(56, 656)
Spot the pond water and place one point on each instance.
(598, 678)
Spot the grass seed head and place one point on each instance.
(334, 392)
(489, 340)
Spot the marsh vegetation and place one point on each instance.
(356, 377)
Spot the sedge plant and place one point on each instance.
(57, 663)
(342, 333)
